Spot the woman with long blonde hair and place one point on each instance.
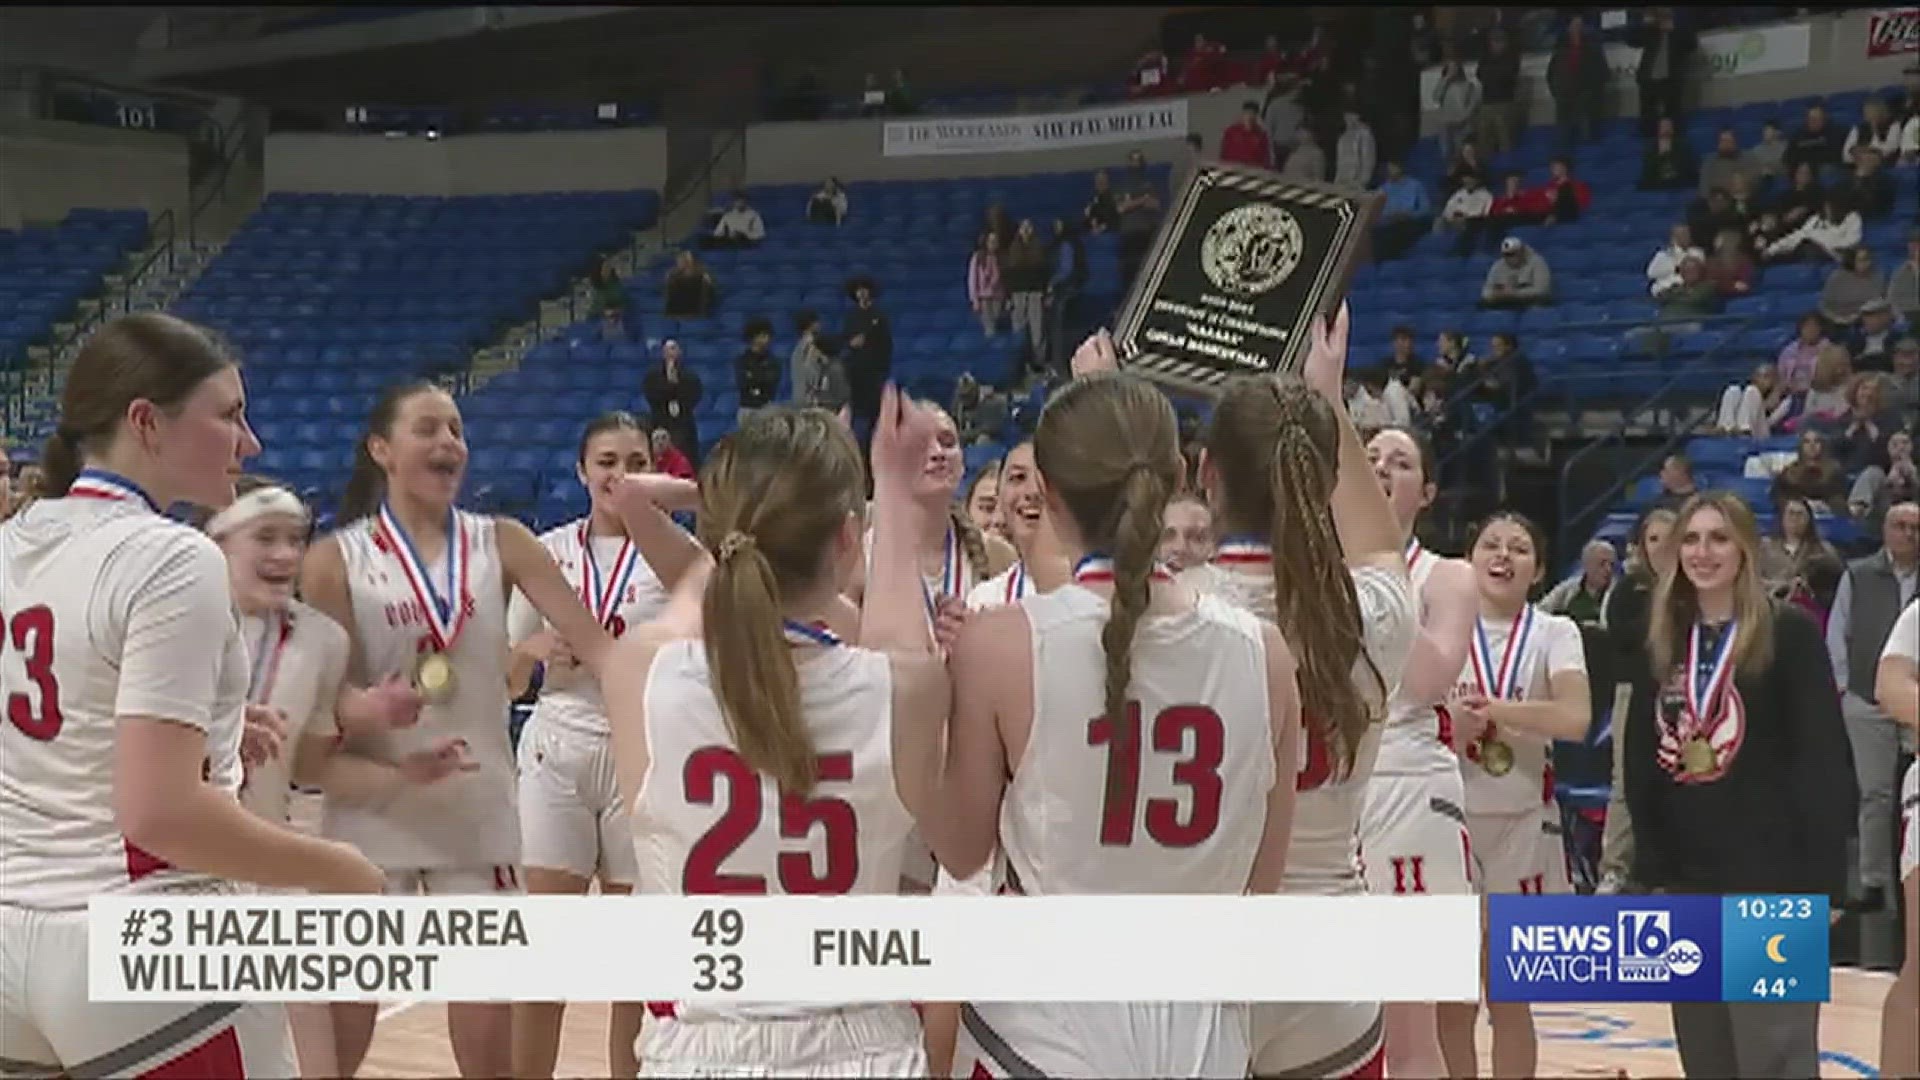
(1739, 775)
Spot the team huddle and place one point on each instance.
(1325, 708)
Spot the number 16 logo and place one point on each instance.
(1645, 935)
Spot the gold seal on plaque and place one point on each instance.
(433, 675)
(1253, 249)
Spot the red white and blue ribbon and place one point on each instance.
(799, 633)
(1703, 694)
(1506, 678)
(1098, 569)
(101, 484)
(602, 596)
(1414, 551)
(1018, 584)
(446, 611)
(1242, 551)
(276, 627)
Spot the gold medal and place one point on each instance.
(1697, 757)
(433, 676)
(1496, 757)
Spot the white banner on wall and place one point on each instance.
(1127, 123)
(1757, 50)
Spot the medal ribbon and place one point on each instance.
(1017, 583)
(1414, 551)
(101, 484)
(953, 571)
(1507, 675)
(277, 627)
(604, 599)
(1704, 695)
(799, 633)
(1095, 569)
(1241, 551)
(446, 612)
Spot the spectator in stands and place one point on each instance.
(1405, 215)
(1024, 269)
(740, 226)
(901, 100)
(1064, 282)
(1271, 61)
(1729, 268)
(1102, 213)
(1813, 475)
(1903, 288)
(756, 373)
(1790, 209)
(1466, 213)
(1402, 364)
(1466, 162)
(828, 206)
(1877, 128)
(1707, 218)
(1457, 99)
(1871, 596)
(1858, 434)
(1376, 400)
(985, 289)
(1872, 339)
(1505, 374)
(1355, 154)
(1579, 597)
(1501, 114)
(1798, 357)
(1825, 237)
(1577, 77)
(1571, 195)
(1150, 75)
(668, 458)
(1520, 277)
(1817, 143)
(1245, 142)
(1140, 212)
(1186, 533)
(1692, 295)
(673, 397)
(1668, 164)
(1890, 480)
(819, 379)
(1666, 51)
(1754, 407)
(1663, 270)
(1867, 187)
(1850, 286)
(1285, 115)
(1307, 161)
(1796, 563)
(1725, 163)
(1450, 356)
(999, 224)
(1767, 159)
(1676, 482)
(1903, 387)
(868, 357)
(1205, 68)
(610, 300)
(689, 290)
(1909, 140)
(1827, 391)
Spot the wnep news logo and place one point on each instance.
(1603, 948)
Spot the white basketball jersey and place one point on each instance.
(1189, 819)
(1414, 742)
(706, 822)
(957, 575)
(1008, 587)
(465, 820)
(1545, 645)
(619, 587)
(1323, 854)
(296, 660)
(109, 610)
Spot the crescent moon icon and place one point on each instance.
(1773, 948)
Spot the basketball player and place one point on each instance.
(421, 588)
(1039, 566)
(1135, 651)
(1187, 535)
(741, 701)
(1523, 686)
(1413, 828)
(1898, 691)
(125, 676)
(572, 825)
(1349, 621)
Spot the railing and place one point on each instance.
(163, 227)
(232, 144)
(1573, 521)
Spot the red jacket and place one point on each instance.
(1582, 194)
(1205, 68)
(1245, 145)
(1529, 202)
(674, 463)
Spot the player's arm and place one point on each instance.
(527, 645)
(893, 620)
(1896, 683)
(1364, 520)
(531, 570)
(1283, 715)
(168, 678)
(1568, 710)
(623, 682)
(670, 551)
(359, 708)
(991, 662)
(1452, 602)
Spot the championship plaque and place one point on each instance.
(1243, 264)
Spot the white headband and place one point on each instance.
(258, 503)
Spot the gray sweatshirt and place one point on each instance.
(1530, 280)
(819, 380)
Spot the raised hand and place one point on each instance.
(902, 439)
(949, 616)
(263, 734)
(636, 491)
(1326, 366)
(1095, 354)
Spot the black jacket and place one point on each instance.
(757, 376)
(1779, 819)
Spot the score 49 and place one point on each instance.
(715, 968)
